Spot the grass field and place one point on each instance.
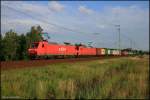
(109, 78)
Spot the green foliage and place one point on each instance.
(124, 78)
(22, 47)
(10, 43)
(2, 57)
(34, 35)
(14, 46)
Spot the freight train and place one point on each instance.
(49, 49)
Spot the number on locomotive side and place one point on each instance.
(62, 49)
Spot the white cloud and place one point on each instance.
(55, 6)
(84, 9)
(29, 8)
(24, 25)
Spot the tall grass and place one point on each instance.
(113, 78)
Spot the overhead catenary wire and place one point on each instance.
(53, 24)
(45, 21)
(49, 23)
(111, 24)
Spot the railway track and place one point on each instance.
(38, 63)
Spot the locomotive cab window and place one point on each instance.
(34, 45)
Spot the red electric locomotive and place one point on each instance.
(44, 48)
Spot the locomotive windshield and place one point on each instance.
(34, 45)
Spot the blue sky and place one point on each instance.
(85, 17)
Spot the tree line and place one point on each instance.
(14, 46)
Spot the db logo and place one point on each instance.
(62, 49)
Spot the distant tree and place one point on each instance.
(141, 52)
(34, 35)
(2, 56)
(39, 29)
(78, 44)
(10, 44)
(22, 47)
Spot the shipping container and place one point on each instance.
(100, 51)
(124, 53)
(107, 51)
(116, 52)
(103, 51)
